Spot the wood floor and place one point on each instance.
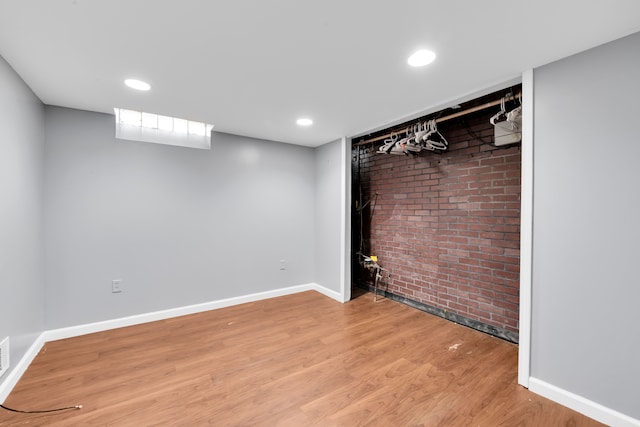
(298, 360)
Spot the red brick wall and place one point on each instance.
(447, 226)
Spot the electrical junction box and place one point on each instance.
(505, 137)
(508, 131)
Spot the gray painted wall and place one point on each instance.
(585, 322)
(328, 215)
(179, 226)
(21, 235)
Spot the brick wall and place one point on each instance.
(447, 226)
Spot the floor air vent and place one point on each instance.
(4, 356)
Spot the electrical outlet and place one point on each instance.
(283, 264)
(116, 286)
(4, 356)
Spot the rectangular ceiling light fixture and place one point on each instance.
(148, 127)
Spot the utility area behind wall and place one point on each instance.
(439, 229)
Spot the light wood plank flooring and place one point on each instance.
(297, 360)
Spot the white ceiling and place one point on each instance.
(252, 67)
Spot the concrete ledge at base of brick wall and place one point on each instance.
(453, 317)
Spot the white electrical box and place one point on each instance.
(504, 136)
(508, 131)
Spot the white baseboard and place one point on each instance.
(327, 292)
(14, 375)
(73, 331)
(587, 407)
(89, 328)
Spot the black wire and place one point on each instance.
(41, 412)
(373, 206)
(471, 133)
(360, 207)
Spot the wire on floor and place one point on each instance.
(41, 412)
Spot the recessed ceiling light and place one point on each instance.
(137, 84)
(421, 58)
(304, 122)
